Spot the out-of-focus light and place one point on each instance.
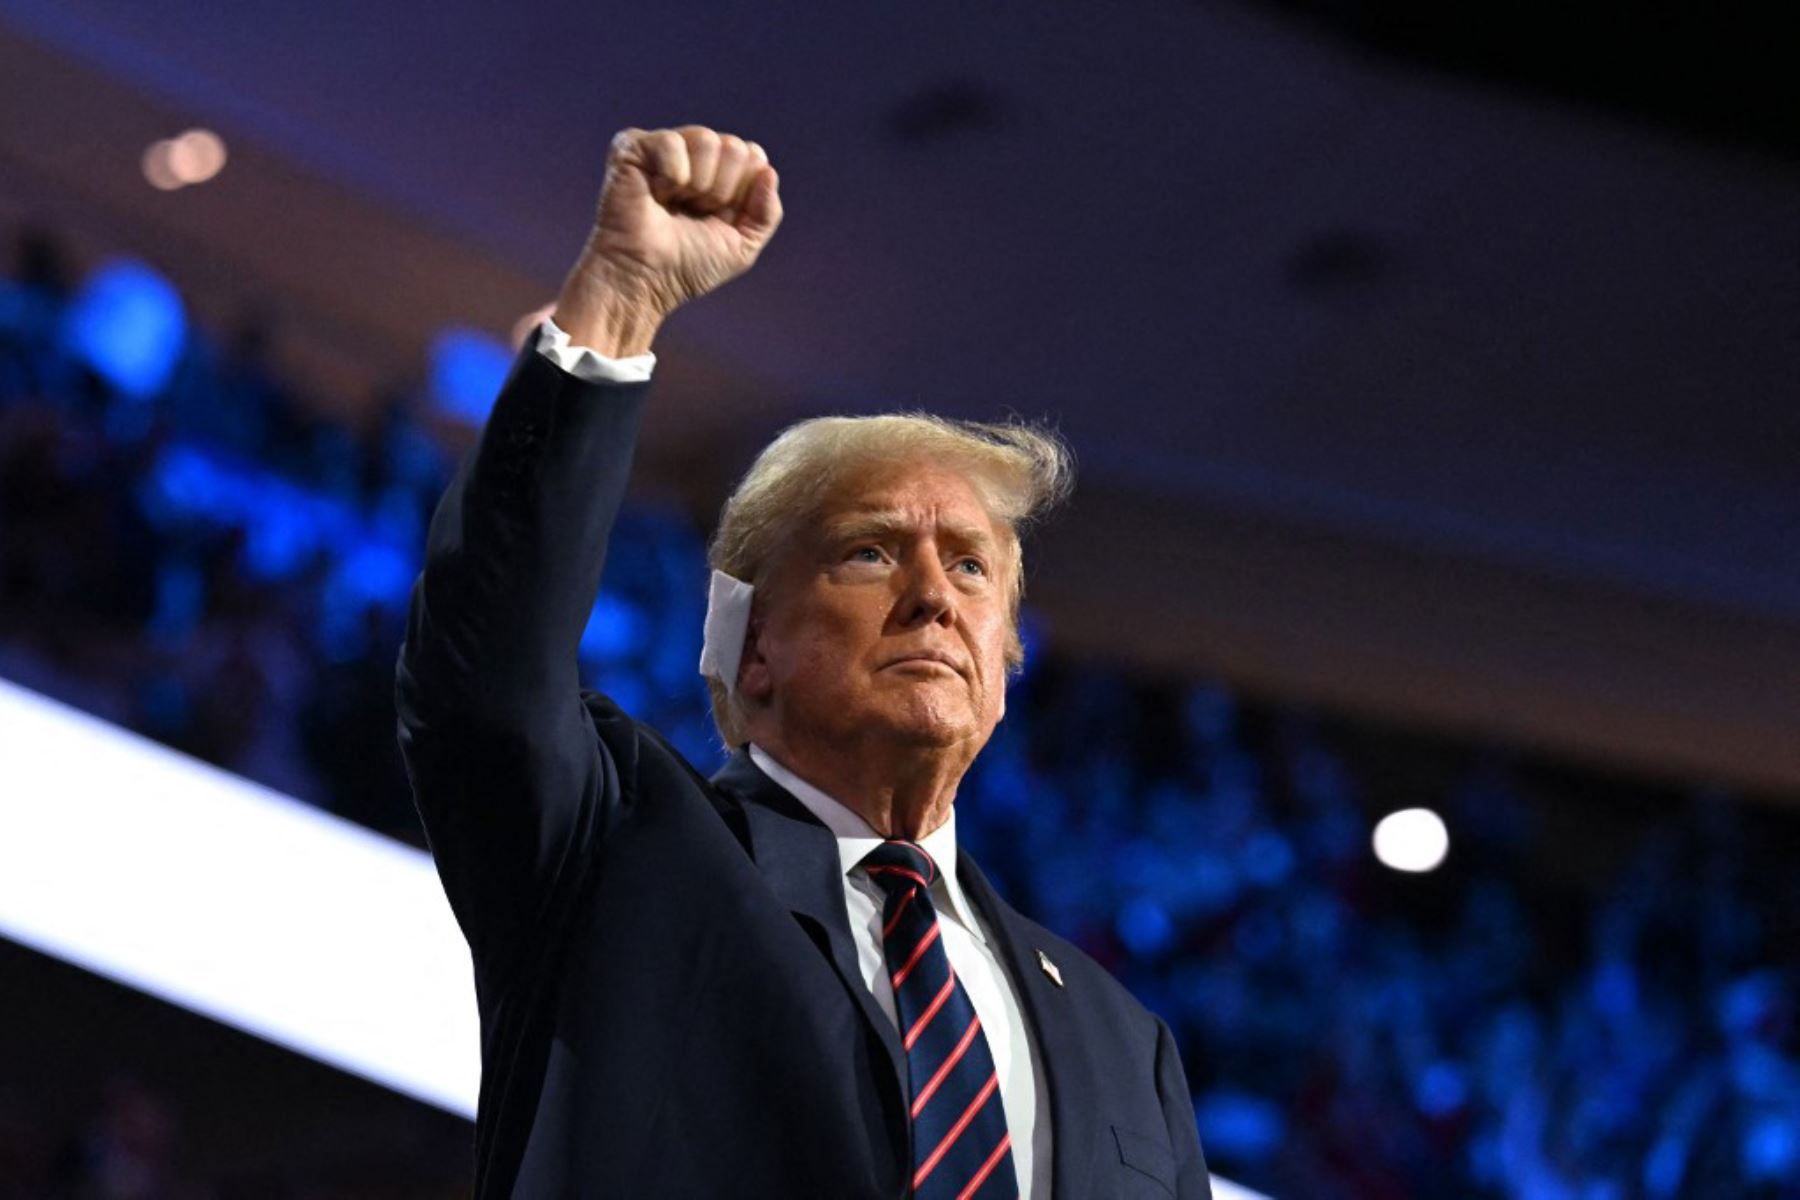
(1440, 1091)
(197, 155)
(157, 168)
(128, 324)
(467, 369)
(1413, 839)
(180, 880)
(1771, 1148)
(1240, 1124)
(1224, 1189)
(194, 157)
(1144, 926)
(615, 628)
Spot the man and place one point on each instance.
(783, 981)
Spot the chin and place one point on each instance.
(930, 725)
(931, 735)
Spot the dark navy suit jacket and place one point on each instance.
(669, 994)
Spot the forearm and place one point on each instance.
(516, 547)
(512, 773)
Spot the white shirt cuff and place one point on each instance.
(584, 363)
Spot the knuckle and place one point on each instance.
(673, 158)
(625, 141)
(658, 147)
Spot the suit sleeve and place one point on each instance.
(513, 785)
(1192, 1182)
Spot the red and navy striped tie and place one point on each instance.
(961, 1148)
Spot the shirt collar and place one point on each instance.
(856, 837)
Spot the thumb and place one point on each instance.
(628, 178)
(762, 207)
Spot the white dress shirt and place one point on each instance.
(584, 363)
(1024, 1094)
(1023, 1091)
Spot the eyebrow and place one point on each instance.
(887, 523)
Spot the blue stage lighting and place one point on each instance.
(615, 629)
(1144, 926)
(1440, 1089)
(1238, 1124)
(1771, 1149)
(467, 369)
(128, 324)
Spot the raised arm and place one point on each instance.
(513, 783)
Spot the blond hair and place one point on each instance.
(1019, 471)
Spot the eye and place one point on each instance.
(864, 554)
(971, 566)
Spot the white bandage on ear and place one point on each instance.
(727, 623)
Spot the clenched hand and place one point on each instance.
(682, 212)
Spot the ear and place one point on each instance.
(753, 681)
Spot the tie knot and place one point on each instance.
(897, 865)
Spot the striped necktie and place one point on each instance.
(961, 1148)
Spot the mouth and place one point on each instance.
(926, 658)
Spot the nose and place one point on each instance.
(928, 595)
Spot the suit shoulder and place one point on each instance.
(646, 760)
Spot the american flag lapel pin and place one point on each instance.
(1050, 968)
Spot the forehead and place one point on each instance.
(910, 495)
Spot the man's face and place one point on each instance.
(888, 619)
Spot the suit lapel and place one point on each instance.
(798, 857)
(1053, 1018)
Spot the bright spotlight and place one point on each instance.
(194, 157)
(157, 168)
(1413, 839)
(197, 155)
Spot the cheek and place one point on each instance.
(995, 632)
(818, 648)
(991, 643)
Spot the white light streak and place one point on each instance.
(186, 882)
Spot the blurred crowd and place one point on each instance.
(205, 560)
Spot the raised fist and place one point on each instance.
(682, 211)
